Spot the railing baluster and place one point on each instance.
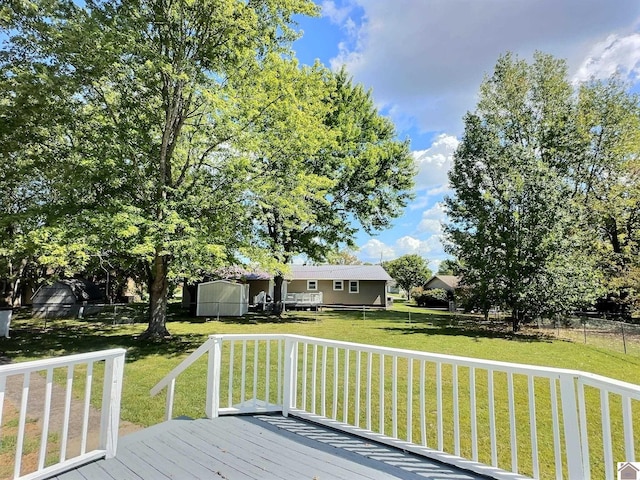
(606, 434)
(345, 407)
(243, 373)
(87, 403)
(304, 376)
(571, 429)
(474, 414)
(314, 379)
(67, 414)
(280, 354)
(439, 406)
(44, 440)
(357, 388)
(627, 421)
(381, 395)
(369, 368)
(255, 372)
(456, 411)
(556, 428)
(232, 361)
(409, 435)
(535, 462)
(584, 432)
(423, 404)
(168, 407)
(21, 424)
(267, 385)
(323, 383)
(512, 424)
(394, 396)
(492, 419)
(335, 383)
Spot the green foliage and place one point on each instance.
(408, 271)
(430, 297)
(135, 123)
(516, 224)
(338, 166)
(448, 267)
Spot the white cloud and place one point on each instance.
(427, 59)
(435, 162)
(432, 219)
(614, 55)
(375, 250)
(334, 13)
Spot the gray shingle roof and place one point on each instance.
(339, 272)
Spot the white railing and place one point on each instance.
(499, 419)
(306, 298)
(51, 426)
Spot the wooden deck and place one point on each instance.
(257, 447)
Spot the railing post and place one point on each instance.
(111, 396)
(288, 400)
(213, 379)
(571, 427)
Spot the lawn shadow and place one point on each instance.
(31, 339)
(431, 323)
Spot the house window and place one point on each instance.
(312, 285)
(354, 286)
(338, 285)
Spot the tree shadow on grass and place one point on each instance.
(474, 327)
(66, 337)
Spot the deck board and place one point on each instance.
(260, 447)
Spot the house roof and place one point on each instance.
(338, 272)
(450, 280)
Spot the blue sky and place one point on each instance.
(425, 59)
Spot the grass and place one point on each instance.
(405, 326)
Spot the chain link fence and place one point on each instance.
(599, 332)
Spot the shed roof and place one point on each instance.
(450, 280)
(339, 272)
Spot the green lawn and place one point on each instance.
(404, 327)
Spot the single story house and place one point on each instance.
(353, 285)
(448, 283)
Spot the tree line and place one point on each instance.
(162, 139)
(544, 218)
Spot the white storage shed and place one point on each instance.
(222, 298)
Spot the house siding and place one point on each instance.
(371, 292)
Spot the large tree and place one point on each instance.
(354, 174)
(409, 271)
(151, 161)
(515, 224)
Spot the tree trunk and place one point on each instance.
(277, 294)
(158, 299)
(515, 320)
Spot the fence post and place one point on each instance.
(624, 340)
(573, 444)
(111, 396)
(288, 400)
(213, 379)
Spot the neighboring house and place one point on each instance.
(449, 283)
(354, 285)
(67, 298)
